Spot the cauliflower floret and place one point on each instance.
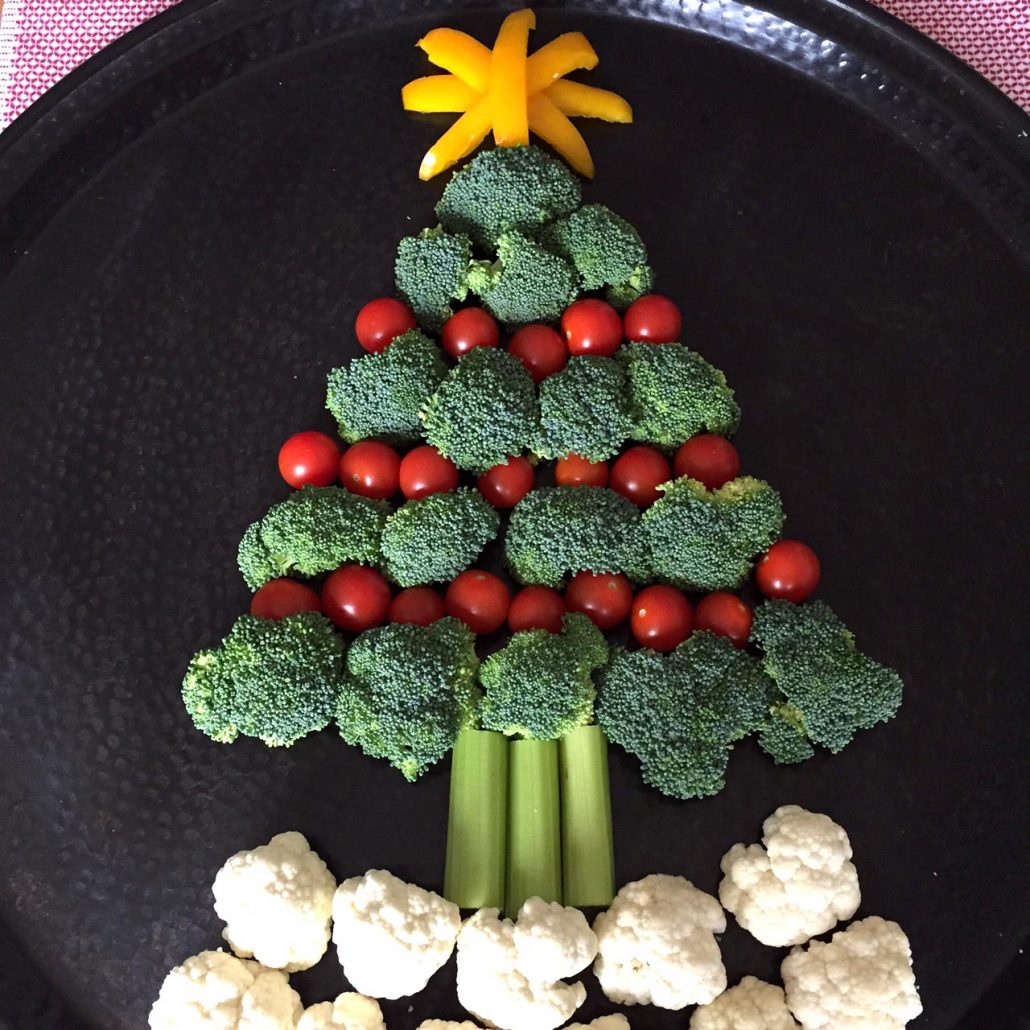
(495, 992)
(861, 980)
(656, 944)
(751, 1005)
(276, 902)
(349, 1012)
(446, 1024)
(218, 991)
(551, 941)
(390, 935)
(801, 884)
(616, 1021)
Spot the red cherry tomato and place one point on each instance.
(726, 615)
(309, 459)
(505, 485)
(662, 618)
(541, 349)
(592, 326)
(536, 607)
(637, 474)
(419, 606)
(604, 598)
(577, 471)
(709, 459)
(371, 468)
(355, 598)
(467, 329)
(281, 597)
(479, 599)
(653, 319)
(789, 571)
(380, 320)
(426, 471)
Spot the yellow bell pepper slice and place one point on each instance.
(508, 79)
(578, 100)
(458, 141)
(457, 52)
(438, 94)
(570, 52)
(555, 128)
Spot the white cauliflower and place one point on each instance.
(551, 941)
(616, 1021)
(751, 1005)
(446, 1024)
(348, 1012)
(276, 902)
(801, 884)
(656, 944)
(390, 935)
(218, 991)
(861, 980)
(495, 992)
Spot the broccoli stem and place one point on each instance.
(534, 824)
(477, 821)
(588, 860)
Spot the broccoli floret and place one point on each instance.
(782, 737)
(507, 188)
(408, 691)
(640, 282)
(675, 394)
(382, 394)
(315, 530)
(831, 689)
(527, 283)
(583, 410)
(274, 680)
(433, 539)
(681, 713)
(484, 412)
(708, 539)
(430, 271)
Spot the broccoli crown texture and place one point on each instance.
(408, 691)
(782, 736)
(433, 539)
(430, 271)
(640, 282)
(708, 539)
(276, 680)
(382, 394)
(680, 713)
(539, 686)
(831, 689)
(484, 412)
(507, 188)
(315, 530)
(675, 394)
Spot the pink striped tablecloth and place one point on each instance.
(42, 40)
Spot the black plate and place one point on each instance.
(188, 225)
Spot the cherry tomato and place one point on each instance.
(709, 459)
(479, 599)
(789, 570)
(604, 598)
(309, 459)
(662, 618)
(653, 319)
(577, 471)
(426, 471)
(505, 485)
(724, 614)
(371, 468)
(592, 326)
(467, 329)
(541, 349)
(418, 605)
(380, 320)
(355, 598)
(281, 597)
(637, 474)
(536, 607)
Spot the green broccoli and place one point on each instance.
(583, 410)
(708, 539)
(408, 691)
(507, 188)
(830, 689)
(430, 271)
(641, 282)
(382, 394)
(681, 713)
(782, 736)
(675, 394)
(315, 530)
(484, 412)
(274, 680)
(433, 539)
